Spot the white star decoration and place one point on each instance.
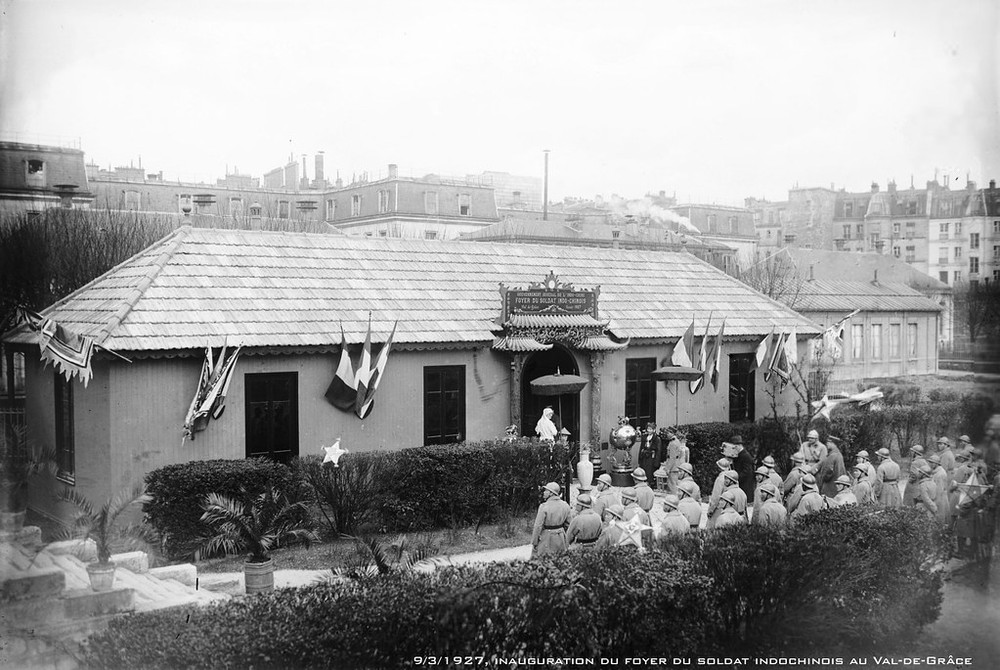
(632, 532)
(333, 453)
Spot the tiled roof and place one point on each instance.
(843, 295)
(198, 287)
(861, 266)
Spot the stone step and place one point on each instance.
(72, 605)
(36, 583)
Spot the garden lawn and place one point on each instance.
(344, 552)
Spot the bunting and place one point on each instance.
(684, 349)
(364, 372)
(377, 372)
(792, 348)
(696, 384)
(213, 385)
(762, 348)
(779, 346)
(833, 337)
(343, 390)
(69, 353)
(716, 357)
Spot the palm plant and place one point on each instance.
(100, 524)
(255, 526)
(376, 557)
(18, 464)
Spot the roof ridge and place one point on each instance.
(170, 247)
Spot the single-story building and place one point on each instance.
(475, 323)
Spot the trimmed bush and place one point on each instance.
(178, 491)
(350, 497)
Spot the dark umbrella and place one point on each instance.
(676, 373)
(558, 385)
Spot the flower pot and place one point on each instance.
(102, 576)
(259, 577)
(11, 522)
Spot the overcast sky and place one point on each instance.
(713, 100)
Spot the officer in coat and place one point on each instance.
(831, 467)
(644, 494)
(549, 533)
(861, 489)
(717, 488)
(763, 477)
(887, 484)
(791, 483)
(772, 474)
(942, 482)
(771, 512)
(585, 527)
(812, 449)
(946, 454)
(689, 505)
(742, 463)
(926, 491)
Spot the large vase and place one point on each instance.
(585, 470)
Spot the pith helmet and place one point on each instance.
(639, 475)
(670, 502)
(629, 494)
(583, 500)
(604, 479)
(553, 488)
(843, 480)
(615, 510)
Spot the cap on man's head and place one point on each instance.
(686, 467)
(729, 497)
(736, 439)
(965, 438)
(687, 487)
(944, 440)
(834, 439)
(863, 455)
(723, 463)
(925, 471)
(629, 494)
(808, 482)
(768, 491)
(934, 459)
(813, 433)
(615, 510)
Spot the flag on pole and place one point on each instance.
(792, 348)
(378, 370)
(210, 397)
(343, 391)
(762, 348)
(779, 346)
(364, 372)
(713, 374)
(781, 366)
(833, 337)
(684, 349)
(696, 384)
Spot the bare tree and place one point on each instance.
(977, 308)
(775, 275)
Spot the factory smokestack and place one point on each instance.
(319, 167)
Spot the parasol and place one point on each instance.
(558, 385)
(675, 374)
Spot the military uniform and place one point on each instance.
(941, 484)
(674, 522)
(584, 529)
(925, 495)
(691, 509)
(811, 502)
(830, 469)
(717, 489)
(887, 485)
(644, 494)
(845, 497)
(684, 476)
(863, 491)
(549, 533)
(771, 513)
(675, 453)
(611, 532)
(912, 483)
(633, 510)
(795, 493)
(814, 453)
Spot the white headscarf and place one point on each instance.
(545, 429)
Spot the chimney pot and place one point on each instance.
(393, 171)
(874, 187)
(319, 167)
(993, 184)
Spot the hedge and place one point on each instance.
(177, 491)
(847, 580)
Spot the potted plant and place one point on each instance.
(18, 464)
(100, 525)
(255, 525)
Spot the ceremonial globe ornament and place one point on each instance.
(623, 437)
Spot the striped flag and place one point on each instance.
(364, 372)
(378, 371)
(765, 344)
(779, 346)
(792, 347)
(713, 374)
(702, 358)
(343, 391)
(684, 349)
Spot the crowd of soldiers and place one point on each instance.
(742, 494)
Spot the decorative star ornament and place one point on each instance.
(632, 532)
(333, 453)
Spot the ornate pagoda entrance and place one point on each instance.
(567, 406)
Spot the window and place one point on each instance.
(272, 415)
(877, 342)
(65, 446)
(236, 207)
(741, 387)
(734, 226)
(356, 205)
(943, 276)
(847, 232)
(256, 211)
(942, 256)
(958, 253)
(133, 200)
(895, 228)
(873, 240)
(770, 218)
(973, 264)
(857, 341)
(996, 252)
(860, 228)
(895, 332)
(973, 240)
(283, 209)
(996, 227)
(331, 209)
(945, 208)
(430, 234)
(958, 228)
(911, 340)
(713, 227)
(896, 251)
(848, 208)
(430, 202)
(464, 204)
(957, 276)
(11, 377)
(35, 172)
(911, 207)
(383, 233)
(383, 201)
(35, 166)
(640, 391)
(444, 404)
(943, 231)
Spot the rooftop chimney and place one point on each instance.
(874, 187)
(875, 280)
(393, 171)
(319, 167)
(993, 184)
(811, 277)
(970, 185)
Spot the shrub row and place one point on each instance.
(850, 579)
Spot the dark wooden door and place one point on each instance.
(272, 415)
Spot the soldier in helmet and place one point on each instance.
(941, 484)
(772, 474)
(689, 505)
(962, 473)
(926, 491)
(729, 516)
(718, 487)
(675, 455)
(811, 500)
(685, 473)
(946, 454)
(605, 495)
(549, 533)
(831, 467)
(887, 484)
(632, 509)
(763, 477)
(644, 494)
(867, 468)
(771, 512)
(845, 496)
(917, 461)
(861, 489)
(791, 483)
(585, 527)
(674, 522)
(612, 531)
(812, 449)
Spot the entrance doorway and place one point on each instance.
(567, 406)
